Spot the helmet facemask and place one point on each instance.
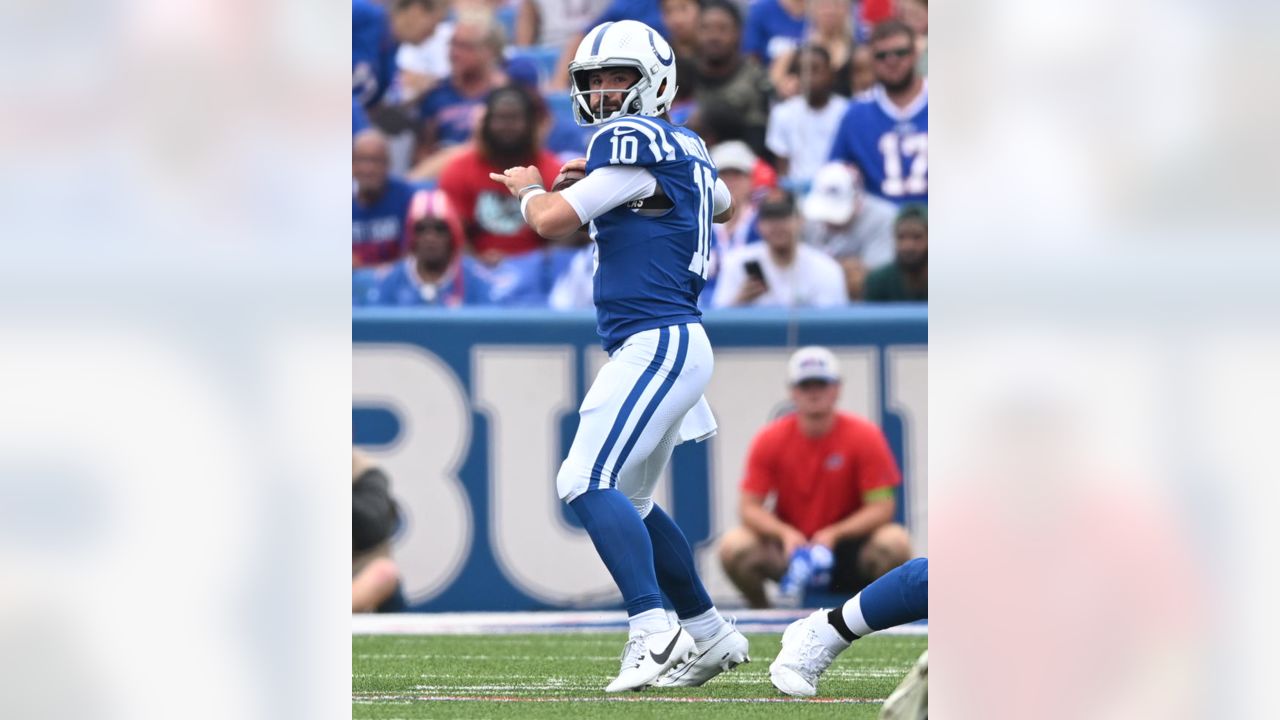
(583, 96)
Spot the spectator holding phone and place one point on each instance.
(832, 479)
(781, 271)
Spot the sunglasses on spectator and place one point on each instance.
(439, 226)
(886, 54)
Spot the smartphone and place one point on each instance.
(755, 271)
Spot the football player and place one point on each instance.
(650, 195)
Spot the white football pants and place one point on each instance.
(646, 400)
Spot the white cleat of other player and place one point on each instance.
(646, 657)
(802, 659)
(725, 651)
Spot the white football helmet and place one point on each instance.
(626, 43)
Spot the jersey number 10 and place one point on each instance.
(705, 184)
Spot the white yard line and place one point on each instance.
(750, 621)
(368, 699)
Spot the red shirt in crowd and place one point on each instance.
(489, 212)
(819, 481)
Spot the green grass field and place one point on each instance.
(559, 676)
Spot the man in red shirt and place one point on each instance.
(832, 477)
(508, 137)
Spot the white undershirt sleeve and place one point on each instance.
(722, 198)
(605, 188)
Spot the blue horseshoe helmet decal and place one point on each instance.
(671, 55)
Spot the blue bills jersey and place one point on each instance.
(890, 145)
(373, 51)
(652, 254)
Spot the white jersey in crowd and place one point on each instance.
(561, 20)
(869, 237)
(812, 279)
(573, 289)
(429, 57)
(804, 135)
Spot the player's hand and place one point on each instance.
(751, 289)
(574, 165)
(517, 178)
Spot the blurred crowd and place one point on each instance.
(816, 113)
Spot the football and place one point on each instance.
(565, 179)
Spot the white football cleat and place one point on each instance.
(725, 651)
(802, 659)
(646, 657)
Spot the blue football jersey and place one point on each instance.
(378, 230)
(398, 285)
(889, 145)
(373, 50)
(652, 254)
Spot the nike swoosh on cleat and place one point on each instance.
(661, 658)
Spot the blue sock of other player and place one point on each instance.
(898, 597)
(623, 544)
(678, 576)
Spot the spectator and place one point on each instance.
(359, 119)
(886, 133)
(674, 20)
(832, 479)
(850, 226)
(423, 57)
(531, 279)
(372, 52)
(574, 288)
(437, 273)
(774, 27)
(915, 13)
(863, 73)
(801, 129)
(375, 579)
(450, 112)
(831, 30)
(781, 271)
(508, 138)
(906, 279)
(682, 18)
(554, 22)
(378, 204)
(726, 79)
(736, 165)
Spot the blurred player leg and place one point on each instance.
(810, 645)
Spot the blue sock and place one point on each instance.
(620, 538)
(899, 596)
(673, 560)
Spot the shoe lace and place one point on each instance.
(814, 657)
(632, 653)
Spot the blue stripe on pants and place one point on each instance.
(656, 400)
(659, 356)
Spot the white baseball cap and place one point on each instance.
(734, 155)
(813, 363)
(834, 195)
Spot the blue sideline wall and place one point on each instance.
(471, 411)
